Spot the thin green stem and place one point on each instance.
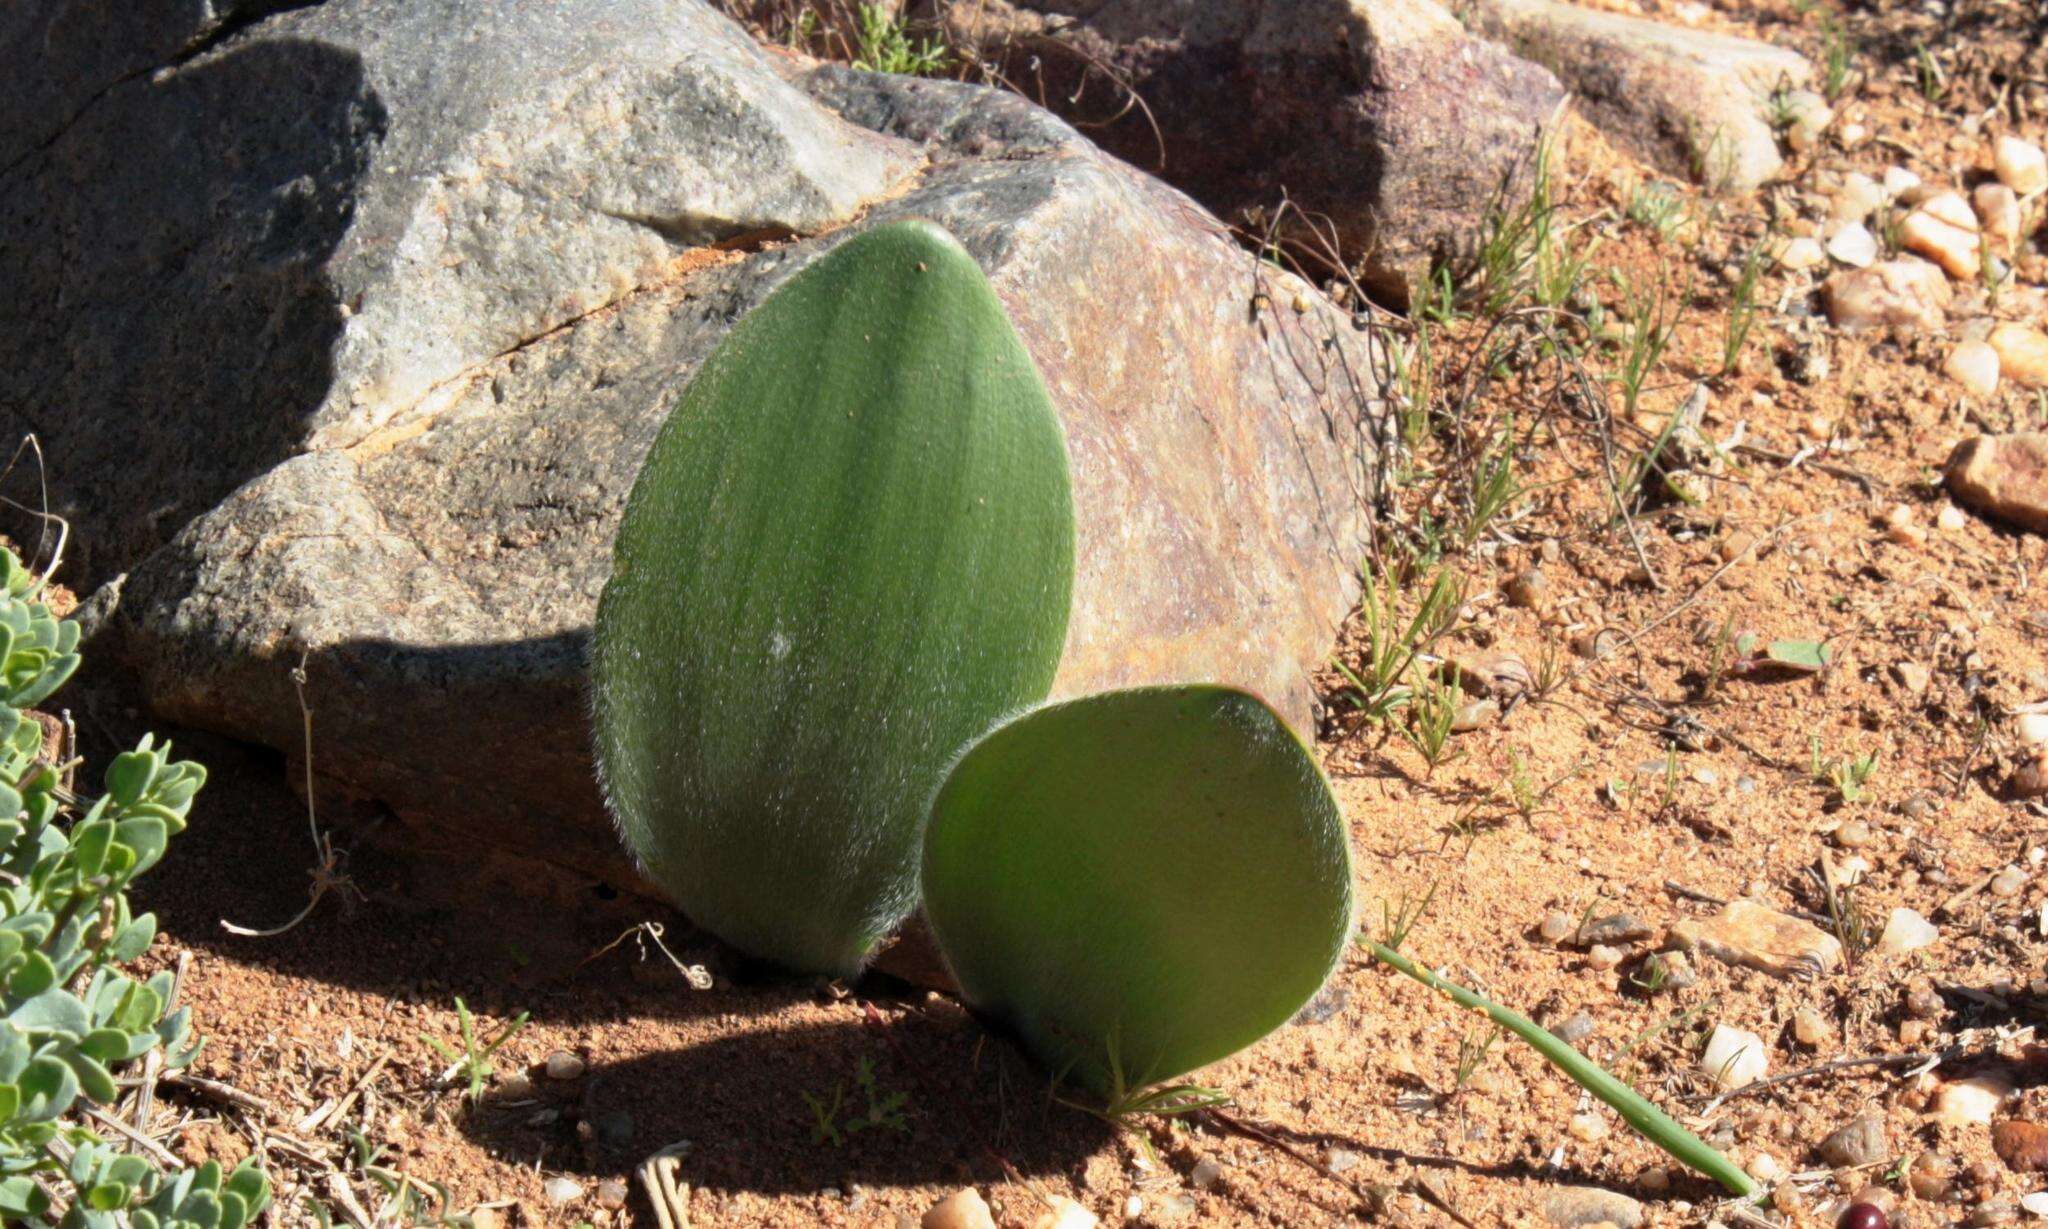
(1650, 1122)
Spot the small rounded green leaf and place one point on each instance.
(1141, 882)
(848, 553)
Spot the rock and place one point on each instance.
(560, 1190)
(1802, 253)
(562, 1065)
(1858, 198)
(1929, 1176)
(1685, 100)
(2031, 729)
(1528, 590)
(1600, 957)
(1570, 1207)
(1475, 715)
(2008, 882)
(1557, 926)
(1944, 230)
(1207, 1173)
(1852, 834)
(2030, 779)
(2035, 1204)
(1853, 245)
(1905, 293)
(2022, 353)
(1988, 1214)
(1859, 1143)
(1749, 934)
(1999, 210)
(2020, 165)
(1065, 1214)
(612, 1194)
(1342, 1160)
(1575, 1028)
(1913, 676)
(963, 1209)
(1734, 1057)
(1974, 365)
(1922, 1001)
(1971, 1102)
(426, 326)
(2004, 476)
(1615, 928)
(516, 1086)
(1383, 116)
(1811, 1028)
(1906, 931)
(1808, 114)
(1898, 181)
(1501, 676)
(382, 227)
(2022, 1145)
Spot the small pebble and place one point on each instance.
(1601, 957)
(963, 1209)
(1929, 1176)
(1655, 1180)
(1852, 834)
(2035, 1204)
(2008, 882)
(563, 1065)
(2022, 353)
(1970, 1102)
(1922, 1002)
(1859, 1143)
(1570, 1207)
(1734, 1057)
(516, 1086)
(2022, 1145)
(1950, 518)
(1588, 1127)
(1853, 245)
(1342, 1160)
(1576, 1029)
(2020, 165)
(1992, 1214)
(1906, 931)
(1557, 927)
(2030, 779)
(1134, 1207)
(1974, 365)
(1206, 1173)
(2000, 211)
(2032, 729)
(1898, 181)
(1802, 253)
(1066, 1214)
(560, 1190)
(1615, 928)
(1811, 1028)
(611, 1193)
(1529, 590)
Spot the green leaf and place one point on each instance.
(134, 939)
(1139, 883)
(48, 1087)
(1807, 656)
(848, 553)
(20, 1196)
(92, 1074)
(33, 977)
(53, 676)
(52, 1011)
(129, 775)
(109, 1045)
(89, 845)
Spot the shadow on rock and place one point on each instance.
(165, 282)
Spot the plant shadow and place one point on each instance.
(833, 1097)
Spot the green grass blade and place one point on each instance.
(1650, 1122)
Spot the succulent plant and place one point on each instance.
(849, 552)
(70, 1019)
(1140, 882)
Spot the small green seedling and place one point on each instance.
(472, 1064)
(884, 1112)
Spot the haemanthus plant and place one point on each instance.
(840, 589)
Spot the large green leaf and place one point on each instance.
(1140, 882)
(849, 553)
